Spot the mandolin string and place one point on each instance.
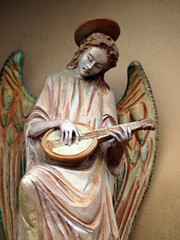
(104, 132)
(95, 134)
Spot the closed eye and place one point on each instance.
(98, 65)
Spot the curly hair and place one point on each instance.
(97, 40)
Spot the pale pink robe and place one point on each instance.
(59, 202)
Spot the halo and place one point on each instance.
(101, 25)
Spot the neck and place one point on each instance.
(75, 72)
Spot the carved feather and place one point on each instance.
(137, 163)
(15, 106)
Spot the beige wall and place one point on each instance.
(150, 33)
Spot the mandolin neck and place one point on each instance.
(103, 134)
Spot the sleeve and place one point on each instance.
(109, 117)
(41, 110)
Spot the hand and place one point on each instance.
(69, 132)
(121, 138)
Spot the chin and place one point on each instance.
(85, 74)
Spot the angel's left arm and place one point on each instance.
(114, 148)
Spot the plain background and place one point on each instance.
(150, 33)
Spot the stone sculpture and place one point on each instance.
(98, 197)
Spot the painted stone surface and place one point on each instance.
(71, 217)
(12, 143)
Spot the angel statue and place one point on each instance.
(91, 194)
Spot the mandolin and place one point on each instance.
(77, 153)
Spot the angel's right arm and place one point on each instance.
(69, 132)
(42, 117)
(40, 127)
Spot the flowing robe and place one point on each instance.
(68, 202)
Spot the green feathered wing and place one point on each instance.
(137, 163)
(15, 106)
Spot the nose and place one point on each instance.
(90, 65)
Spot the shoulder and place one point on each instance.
(56, 77)
(108, 93)
(57, 74)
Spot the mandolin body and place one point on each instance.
(76, 153)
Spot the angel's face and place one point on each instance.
(92, 62)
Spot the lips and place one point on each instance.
(86, 70)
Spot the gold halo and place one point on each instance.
(101, 25)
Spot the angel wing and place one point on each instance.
(15, 106)
(137, 163)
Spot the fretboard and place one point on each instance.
(103, 133)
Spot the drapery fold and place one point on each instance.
(58, 202)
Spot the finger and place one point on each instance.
(112, 141)
(79, 133)
(118, 136)
(77, 136)
(124, 132)
(129, 133)
(121, 135)
(66, 138)
(69, 140)
(62, 136)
